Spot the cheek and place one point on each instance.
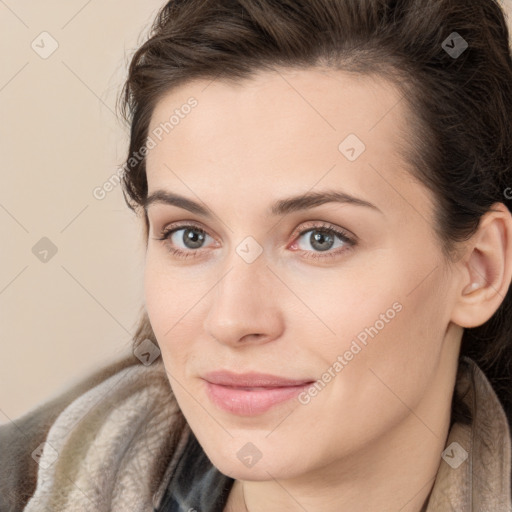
(398, 341)
(173, 309)
(393, 366)
(167, 298)
(388, 322)
(163, 308)
(156, 301)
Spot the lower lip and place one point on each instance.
(244, 402)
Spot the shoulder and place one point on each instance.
(20, 437)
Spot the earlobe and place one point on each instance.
(487, 269)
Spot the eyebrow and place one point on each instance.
(280, 207)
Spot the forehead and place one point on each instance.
(325, 99)
(280, 127)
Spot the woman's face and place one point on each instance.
(353, 294)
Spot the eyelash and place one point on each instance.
(322, 227)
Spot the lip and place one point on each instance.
(250, 394)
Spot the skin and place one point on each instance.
(371, 439)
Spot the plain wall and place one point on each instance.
(62, 318)
(60, 139)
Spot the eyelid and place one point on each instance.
(304, 226)
(322, 225)
(175, 226)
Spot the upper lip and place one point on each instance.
(252, 379)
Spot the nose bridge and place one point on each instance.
(241, 302)
(246, 273)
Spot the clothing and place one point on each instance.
(182, 494)
(123, 445)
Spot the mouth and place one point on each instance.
(251, 394)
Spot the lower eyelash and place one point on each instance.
(349, 243)
(182, 254)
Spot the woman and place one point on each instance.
(325, 189)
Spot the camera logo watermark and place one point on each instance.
(249, 455)
(44, 250)
(44, 45)
(352, 147)
(249, 249)
(455, 45)
(454, 455)
(50, 455)
(146, 352)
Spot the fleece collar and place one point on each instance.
(475, 468)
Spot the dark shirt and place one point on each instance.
(196, 484)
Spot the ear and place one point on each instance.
(486, 269)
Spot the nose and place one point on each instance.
(245, 305)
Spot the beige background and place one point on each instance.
(62, 319)
(60, 139)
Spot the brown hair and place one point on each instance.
(461, 136)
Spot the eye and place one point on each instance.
(322, 238)
(185, 241)
(192, 237)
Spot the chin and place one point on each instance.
(242, 459)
